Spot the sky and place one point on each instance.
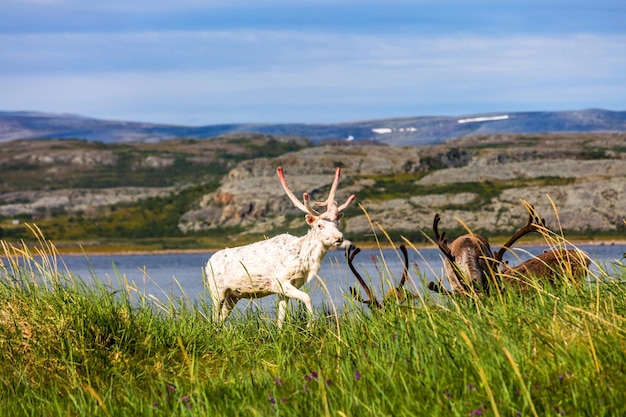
(192, 62)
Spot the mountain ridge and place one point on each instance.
(400, 131)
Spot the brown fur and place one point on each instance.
(555, 266)
(472, 256)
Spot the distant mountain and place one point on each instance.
(400, 131)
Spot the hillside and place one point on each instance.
(479, 180)
(400, 131)
(219, 192)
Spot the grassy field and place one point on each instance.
(68, 347)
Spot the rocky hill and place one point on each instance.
(479, 180)
(227, 187)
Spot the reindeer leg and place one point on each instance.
(227, 304)
(290, 291)
(282, 310)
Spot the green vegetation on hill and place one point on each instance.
(192, 168)
(73, 163)
(406, 186)
(195, 166)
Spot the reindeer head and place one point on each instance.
(324, 225)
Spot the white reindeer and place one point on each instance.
(280, 265)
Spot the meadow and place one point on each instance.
(68, 347)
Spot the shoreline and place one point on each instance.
(365, 246)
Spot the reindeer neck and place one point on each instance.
(312, 248)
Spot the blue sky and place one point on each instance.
(195, 62)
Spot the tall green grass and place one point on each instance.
(82, 347)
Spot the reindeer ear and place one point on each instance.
(310, 219)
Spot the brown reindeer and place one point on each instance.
(470, 265)
(396, 294)
(553, 266)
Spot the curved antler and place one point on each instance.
(305, 207)
(534, 224)
(332, 210)
(372, 302)
(399, 293)
(442, 242)
(405, 272)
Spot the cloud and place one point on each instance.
(254, 50)
(319, 78)
(279, 73)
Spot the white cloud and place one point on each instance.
(240, 76)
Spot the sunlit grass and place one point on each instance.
(90, 347)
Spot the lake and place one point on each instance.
(163, 276)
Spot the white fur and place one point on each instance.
(280, 265)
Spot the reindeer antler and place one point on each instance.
(442, 242)
(332, 210)
(305, 197)
(400, 293)
(372, 302)
(405, 271)
(534, 224)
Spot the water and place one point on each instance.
(167, 276)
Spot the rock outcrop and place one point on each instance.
(73, 200)
(583, 179)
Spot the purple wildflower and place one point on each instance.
(447, 394)
(272, 400)
(313, 375)
(476, 412)
(278, 381)
(185, 398)
(171, 388)
(357, 375)
(328, 382)
(283, 400)
(155, 404)
(471, 387)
